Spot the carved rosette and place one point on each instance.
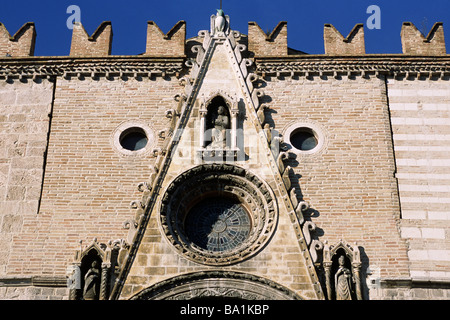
(225, 181)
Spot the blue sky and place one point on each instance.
(305, 20)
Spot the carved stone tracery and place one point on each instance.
(222, 181)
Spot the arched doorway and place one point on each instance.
(216, 284)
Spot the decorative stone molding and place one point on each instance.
(111, 68)
(216, 284)
(227, 181)
(366, 66)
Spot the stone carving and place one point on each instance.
(93, 271)
(343, 281)
(210, 284)
(218, 128)
(342, 267)
(220, 25)
(219, 22)
(219, 122)
(226, 181)
(92, 283)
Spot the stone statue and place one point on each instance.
(92, 283)
(220, 21)
(342, 281)
(220, 122)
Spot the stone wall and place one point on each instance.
(24, 118)
(420, 117)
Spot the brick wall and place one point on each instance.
(88, 184)
(350, 183)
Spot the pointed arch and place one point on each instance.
(216, 284)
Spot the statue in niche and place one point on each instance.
(219, 122)
(92, 283)
(343, 281)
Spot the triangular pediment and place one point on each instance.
(230, 163)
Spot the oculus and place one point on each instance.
(303, 139)
(133, 139)
(218, 214)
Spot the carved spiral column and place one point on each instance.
(104, 281)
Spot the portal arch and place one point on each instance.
(216, 284)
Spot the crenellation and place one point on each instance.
(263, 44)
(21, 44)
(336, 44)
(99, 44)
(170, 44)
(415, 43)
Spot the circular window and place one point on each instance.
(217, 224)
(303, 139)
(133, 139)
(218, 214)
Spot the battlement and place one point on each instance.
(170, 44)
(414, 42)
(19, 45)
(336, 44)
(99, 44)
(272, 44)
(260, 43)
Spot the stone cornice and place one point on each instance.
(116, 66)
(320, 65)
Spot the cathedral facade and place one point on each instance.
(227, 165)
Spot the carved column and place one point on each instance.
(234, 118)
(327, 268)
(203, 113)
(356, 266)
(104, 281)
(327, 263)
